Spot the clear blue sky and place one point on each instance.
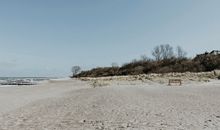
(47, 37)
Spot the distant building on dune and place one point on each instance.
(215, 52)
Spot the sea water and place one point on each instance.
(28, 80)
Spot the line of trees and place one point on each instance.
(164, 52)
(165, 59)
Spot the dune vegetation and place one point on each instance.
(164, 60)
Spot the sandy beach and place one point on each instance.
(117, 105)
(109, 65)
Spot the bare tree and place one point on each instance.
(167, 51)
(76, 70)
(157, 53)
(162, 52)
(180, 52)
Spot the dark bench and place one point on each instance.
(179, 81)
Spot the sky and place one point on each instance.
(48, 37)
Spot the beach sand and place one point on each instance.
(133, 105)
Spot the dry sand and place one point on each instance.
(114, 105)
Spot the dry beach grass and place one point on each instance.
(115, 103)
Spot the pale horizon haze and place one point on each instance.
(48, 37)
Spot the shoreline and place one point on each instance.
(14, 97)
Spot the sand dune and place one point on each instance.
(73, 104)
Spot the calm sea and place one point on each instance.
(34, 80)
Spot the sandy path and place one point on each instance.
(122, 107)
